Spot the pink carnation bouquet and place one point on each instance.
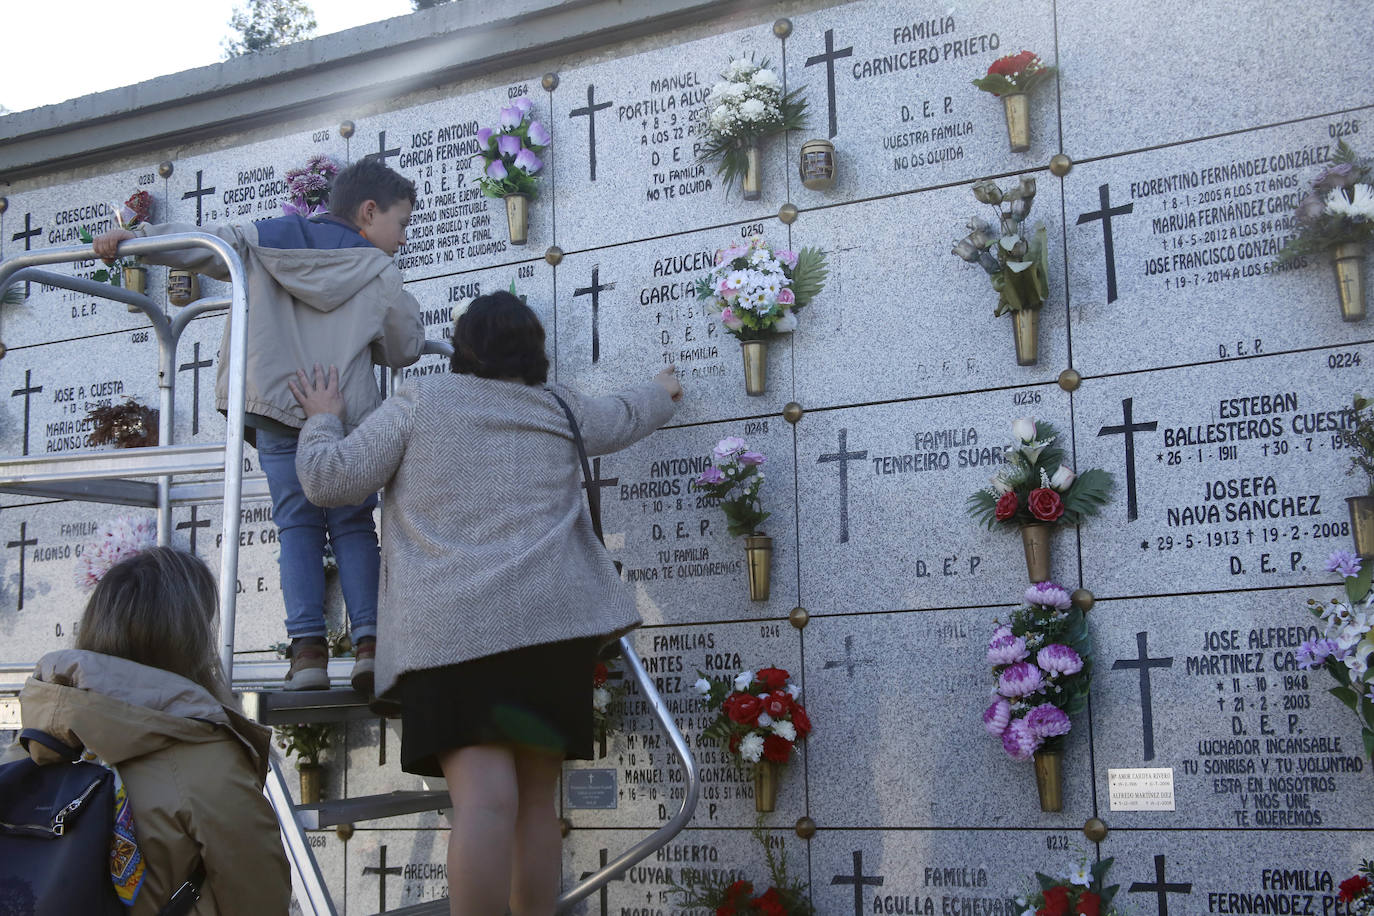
(120, 539)
(1041, 670)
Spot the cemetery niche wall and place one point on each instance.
(1218, 774)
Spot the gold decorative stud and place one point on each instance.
(3, 349)
(549, 81)
(165, 168)
(792, 412)
(806, 828)
(554, 255)
(782, 27)
(344, 831)
(564, 827)
(1060, 164)
(1083, 599)
(4, 204)
(347, 129)
(788, 213)
(1094, 829)
(799, 618)
(1069, 380)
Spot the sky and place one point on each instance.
(62, 49)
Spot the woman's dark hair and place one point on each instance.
(364, 180)
(158, 608)
(499, 336)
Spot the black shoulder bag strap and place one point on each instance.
(593, 492)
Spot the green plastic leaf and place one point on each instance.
(1357, 587)
(1347, 696)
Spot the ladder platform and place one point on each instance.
(370, 807)
(121, 491)
(289, 707)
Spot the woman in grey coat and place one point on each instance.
(495, 592)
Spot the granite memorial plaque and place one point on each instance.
(1173, 253)
(881, 505)
(1210, 686)
(626, 312)
(911, 319)
(672, 541)
(627, 132)
(650, 779)
(373, 764)
(881, 758)
(391, 868)
(40, 602)
(1229, 476)
(1143, 77)
(892, 89)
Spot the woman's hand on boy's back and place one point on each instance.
(667, 380)
(320, 394)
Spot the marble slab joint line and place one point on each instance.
(535, 259)
(1202, 592)
(1228, 133)
(1230, 359)
(771, 415)
(1058, 95)
(923, 397)
(691, 230)
(821, 615)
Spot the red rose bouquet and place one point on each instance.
(608, 702)
(1357, 891)
(725, 894)
(759, 718)
(1077, 892)
(1035, 486)
(1014, 73)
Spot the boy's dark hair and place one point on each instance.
(499, 336)
(364, 180)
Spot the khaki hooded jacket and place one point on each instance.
(193, 770)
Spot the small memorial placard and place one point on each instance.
(1141, 789)
(591, 788)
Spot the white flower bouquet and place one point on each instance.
(744, 107)
(758, 290)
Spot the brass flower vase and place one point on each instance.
(183, 286)
(1049, 779)
(518, 217)
(767, 776)
(1362, 524)
(753, 173)
(1025, 328)
(817, 167)
(1017, 108)
(1035, 538)
(755, 366)
(1349, 262)
(758, 552)
(311, 777)
(135, 280)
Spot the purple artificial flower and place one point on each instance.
(1344, 562)
(997, 716)
(1006, 650)
(1315, 652)
(539, 134)
(1020, 680)
(508, 144)
(1311, 208)
(711, 475)
(1018, 741)
(786, 257)
(496, 170)
(527, 162)
(1047, 721)
(728, 448)
(1338, 176)
(1059, 659)
(754, 458)
(484, 136)
(511, 117)
(523, 104)
(1048, 594)
(1002, 630)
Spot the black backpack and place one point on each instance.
(56, 823)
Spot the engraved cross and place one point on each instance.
(24, 542)
(199, 194)
(27, 391)
(1145, 663)
(589, 112)
(1160, 889)
(859, 879)
(1129, 428)
(828, 58)
(595, 291)
(1105, 214)
(844, 456)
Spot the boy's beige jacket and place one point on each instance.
(341, 306)
(193, 770)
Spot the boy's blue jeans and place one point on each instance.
(301, 527)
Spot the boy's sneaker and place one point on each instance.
(309, 665)
(364, 665)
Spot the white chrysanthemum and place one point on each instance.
(766, 79)
(703, 686)
(740, 68)
(1361, 207)
(753, 110)
(718, 90)
(1081, 875)
(734, 92)
(787, 323)
(771, 286)
(751, 748)
(743, 680)
(720, 118)
(765, 720)
(601, 698)
(785, 730)
(737, 279)
(795, 691)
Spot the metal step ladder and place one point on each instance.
(122, 478)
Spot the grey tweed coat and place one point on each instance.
(487, 542)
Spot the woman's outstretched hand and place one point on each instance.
(667, 379)
(320, 394)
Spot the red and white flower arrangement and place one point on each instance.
(759, 290)
(1079, 891)
(1357, 891)
(608, 702)
(1014, 73)
(1036, 486)
(120, 539)
(760, 716)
